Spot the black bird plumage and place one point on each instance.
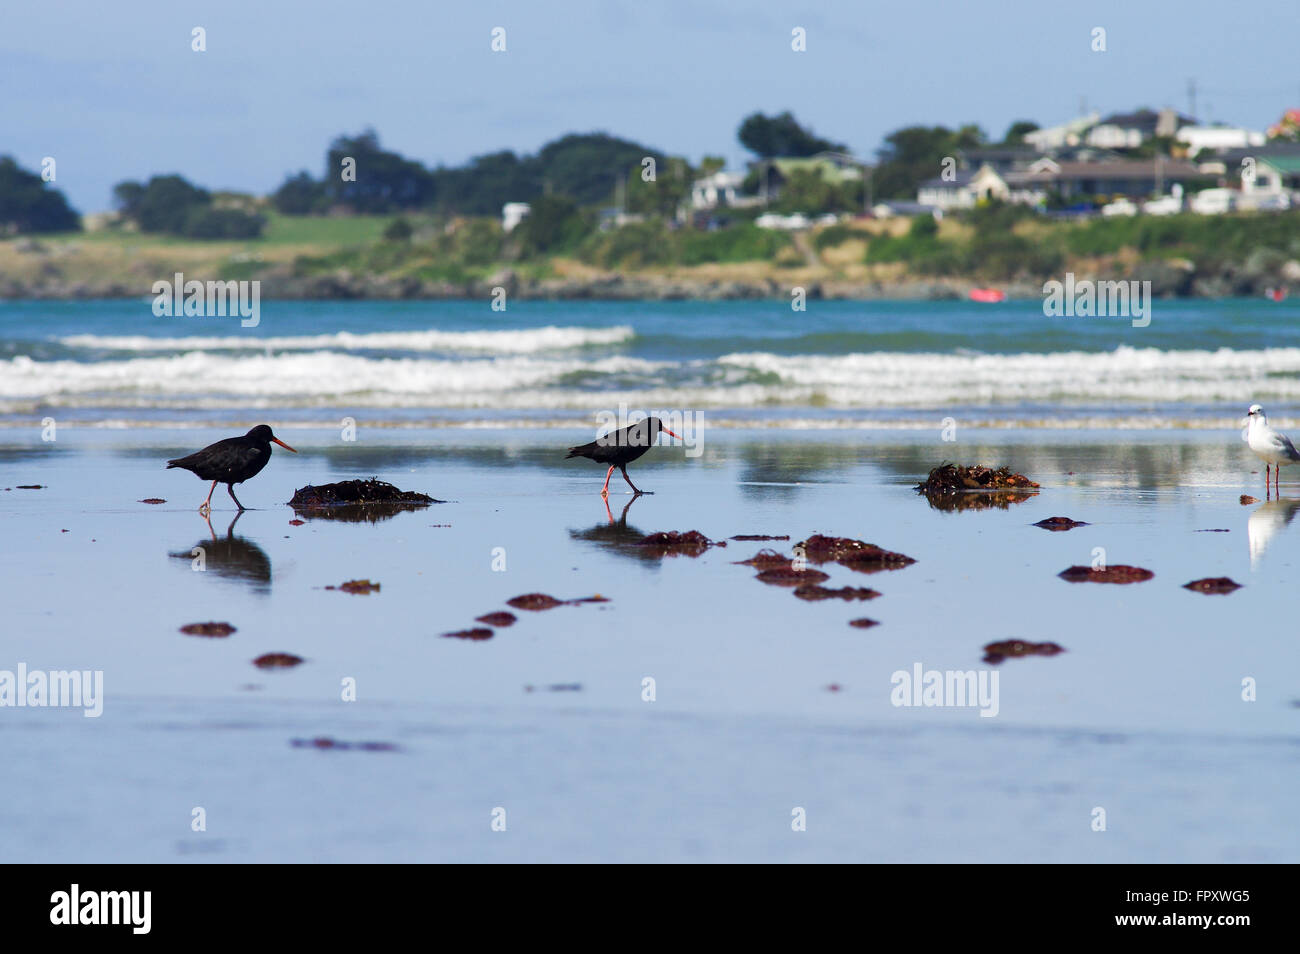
(232, 461)
(619, 448)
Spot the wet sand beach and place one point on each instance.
(764, 703)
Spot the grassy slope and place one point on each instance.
(317, 245)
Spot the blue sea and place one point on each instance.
(838, 364)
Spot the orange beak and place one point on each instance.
(669, 433)
(276, 440)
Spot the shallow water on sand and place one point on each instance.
(1142, 715)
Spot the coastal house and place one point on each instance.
(1067, 134)
(720, 189)
(963, 190)
(1031, 185)
(836, 168)
(1130, 130)
(1217, 138)
(1135, 178)
(1275, 184)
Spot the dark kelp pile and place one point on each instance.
(1119, 573)
(277, 661)
(956, 487)
(674, 543)
(477, 633)
(499, 620)
(757, 537)
(994, 653)
(863, 623)
(790, 575)
(536, 602)
(211, 630)
(1213, 584)
(849, 594)
(363, 587)
(854, 554)
(357, 501)
(765, 559)
(1057, 524)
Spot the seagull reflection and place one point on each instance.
(1265, 522)
(231, 557)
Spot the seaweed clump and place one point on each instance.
(849, 594)
(276, 660)
(790, 575)
(994, 653)
(949, 487)
(1057, 524)
(363, 587)
(207, 629)
(1118, 573)
(536, 602)
(674, 543)
(854, 554)
(357, 501)
(1213, 584)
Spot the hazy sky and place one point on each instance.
(113, 91)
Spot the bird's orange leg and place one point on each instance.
(632, 485)
(207, 504)
(604, 491)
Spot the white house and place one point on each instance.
(721, 188)
(1066, 134)
(963, 190)
(1218, 137)
(512, 213)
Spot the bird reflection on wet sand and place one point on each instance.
(1266, 521)
(617, 535)
(233, 558)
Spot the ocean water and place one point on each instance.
(838, 364)
(766, 704)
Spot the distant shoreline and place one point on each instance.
(633, 287)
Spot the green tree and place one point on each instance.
(300, 195)
(385, 181)
(807, 190)
(1016, 132)
(588, 166)
(915, 153)
(555, 224)
(172, 205)
(487, 183)
(27, 204)
(781, 135)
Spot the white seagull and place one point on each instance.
(1271, 446)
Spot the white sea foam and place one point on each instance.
(1122, 379)
(505, 341)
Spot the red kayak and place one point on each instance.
(991, 295)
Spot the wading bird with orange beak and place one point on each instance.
(619, 448)
(232, 461)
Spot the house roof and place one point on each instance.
(1128, 169)
(1145, 119)
(1287, 164)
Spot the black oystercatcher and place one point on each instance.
(232, 461)
(619, 448)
